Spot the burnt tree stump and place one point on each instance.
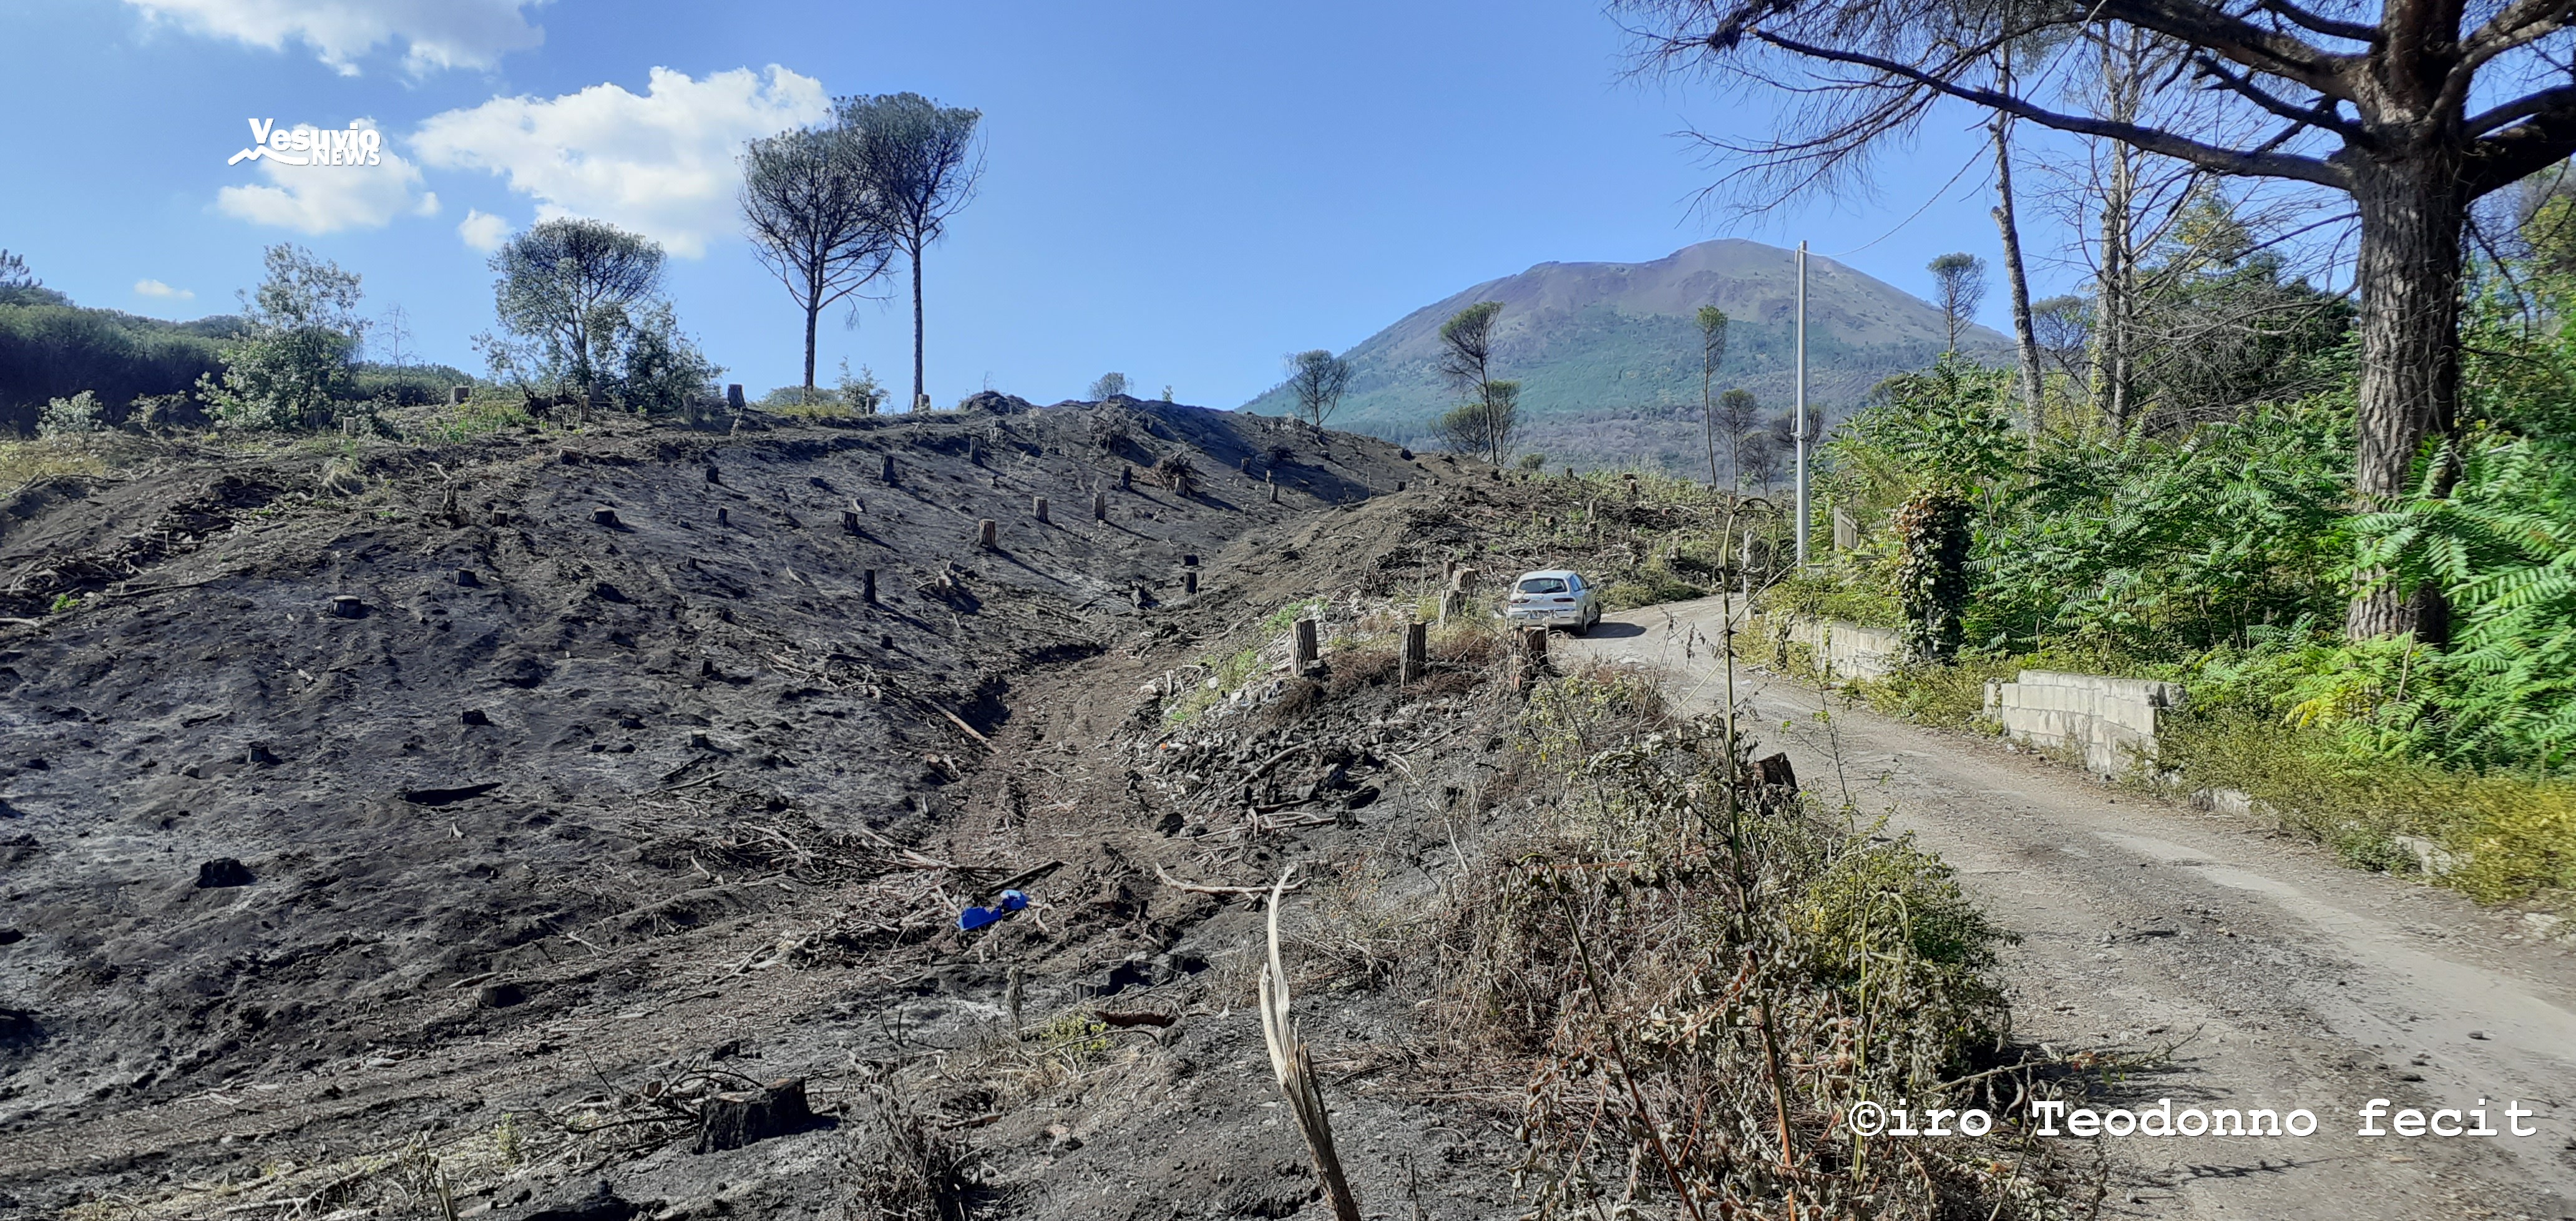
(1303, 652)
(887, 474)
(604, 516)
(1038, 509)
(1417, 651)
(734, 1120)
(868, 586)
(1190, 582)
(986, 533)
(1099, 506)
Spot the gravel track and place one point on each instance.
(2276, 975)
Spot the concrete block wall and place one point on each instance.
(2111, 720)
(1848, 650)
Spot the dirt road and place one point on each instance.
(2279, 977)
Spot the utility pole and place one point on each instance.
(1799, 421)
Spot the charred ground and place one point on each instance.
(387, 823)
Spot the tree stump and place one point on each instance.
(1190, 582)
(887, 474)
(733, 397)
(1534, 646)
(733, 1120)
(456, 395)
(1126, 479)
(1449, 572)
(1038, 509)
(1274, 493)
(1303, 652)
(1417, 651)
(714, 476)
(986, 531)
(850, 521)
(223, 872)
(868, 586)
(723, 518)
(347, 606)
(1399, 485)
(1099, 506)
(604, 516)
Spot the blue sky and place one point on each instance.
(1182, 192)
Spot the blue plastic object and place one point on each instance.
(978, 917)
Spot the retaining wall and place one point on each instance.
(1848, 650)
(2111, 720)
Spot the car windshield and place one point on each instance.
(1543, 585)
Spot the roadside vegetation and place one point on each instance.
(2212, 540)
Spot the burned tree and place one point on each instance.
(2415, 111)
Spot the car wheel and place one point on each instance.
(1581, 627)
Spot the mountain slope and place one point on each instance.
(1608, 353)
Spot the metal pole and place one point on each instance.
(1799, 424)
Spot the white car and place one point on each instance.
(1553, 598)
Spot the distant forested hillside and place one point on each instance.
(51, 348)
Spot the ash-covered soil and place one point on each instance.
(396, 832)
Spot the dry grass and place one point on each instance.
(900, 1166)
(1692, 993)
(24, 462)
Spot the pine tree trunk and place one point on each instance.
(813, 307)
(2023, 332)
(917, 390)
(1708, 420)
(2409, 279)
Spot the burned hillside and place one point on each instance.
(365, 798)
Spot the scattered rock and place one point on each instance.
(222, 872)
(731, 1121)
(500, 996)
(599, 1202)
(2430, 858)
(473, 716)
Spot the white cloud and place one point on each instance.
(329, 198)
(155, 288)
(662, 164)
(435, 33)
(482, 230)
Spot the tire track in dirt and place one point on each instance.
(2278, 976)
